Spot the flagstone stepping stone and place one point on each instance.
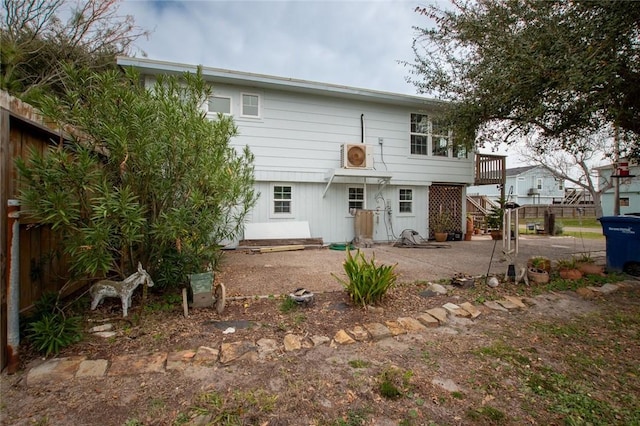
(125, 365)
(395, 328)
(378, 331)
(508, 304)
(236, 351)
(494, 306)
(427, 320)
(605, 289)
(292, 342)
(469, 307)
(319, 340)
(359, 333)
(439, 313)
(180, 360)
(456, 310)
(516, 301)
(342, 338)
(412, 325)
(206, 355)
(55, 370)
(92, 368)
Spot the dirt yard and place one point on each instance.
(568, 358)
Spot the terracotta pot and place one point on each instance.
(590, 268)
(570, 274)
(496, 235)
(543, 263)
(441, 236)
(538, 276)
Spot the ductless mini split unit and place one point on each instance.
(356, 156)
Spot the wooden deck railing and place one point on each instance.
(490, 169)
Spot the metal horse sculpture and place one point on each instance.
(122, 289)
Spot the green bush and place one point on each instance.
(53, 332)
(51, 327)
(367, 282)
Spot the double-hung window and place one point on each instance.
(405, 199)
(419, 134)
(250, 105)
(282, 199)
(356, 199)
(439, 139)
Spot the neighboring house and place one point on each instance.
(324, 151)
(629, 190)
(525, 185)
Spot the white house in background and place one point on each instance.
(525, 185)
(629, 190)
(324, 151)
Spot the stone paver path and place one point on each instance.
(61, 369)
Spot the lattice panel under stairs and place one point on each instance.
(446, 199)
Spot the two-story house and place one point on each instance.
(628, 192)
(324, 153)
(525, 185)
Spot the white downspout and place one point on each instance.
(13, 286)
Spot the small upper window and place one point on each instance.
(539, 183)
(250, 105)
(219, 104)
(406, 201)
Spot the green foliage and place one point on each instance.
(368, 282)
(147, 177)
(231, 409)
(54, 331)
(394, 382)
(38, 37)
(51, 327)
(557, 70)
(487, 413)
(359, 363)
(287, 305)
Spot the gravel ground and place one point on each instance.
(246, 273)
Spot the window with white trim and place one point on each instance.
(282, 200)
(219, 104)
(356, 199)
(420, 134)
(539, 183)
(405, 200)
(439, 139)
(250, 105)
(560, 184)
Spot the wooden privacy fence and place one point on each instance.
(41, 267)
(560, 211)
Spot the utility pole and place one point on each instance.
(616, 159)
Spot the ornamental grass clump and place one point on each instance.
(367, 282)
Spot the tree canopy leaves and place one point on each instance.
(39, 37)
(562, 70)
(147, 176)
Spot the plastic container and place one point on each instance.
(623, 243)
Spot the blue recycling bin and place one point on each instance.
(623, 243)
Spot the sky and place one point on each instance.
(351, 43)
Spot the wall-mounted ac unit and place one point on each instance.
(356, 156)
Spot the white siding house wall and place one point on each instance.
(296, 140)
(522, 187)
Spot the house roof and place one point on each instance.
(519, 170)
(224, 76)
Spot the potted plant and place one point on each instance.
(538, 268)
(441, 224)
(539, 262)
(587, 265)
(494, 221)
(568, 269)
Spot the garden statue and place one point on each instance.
(122, 289)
